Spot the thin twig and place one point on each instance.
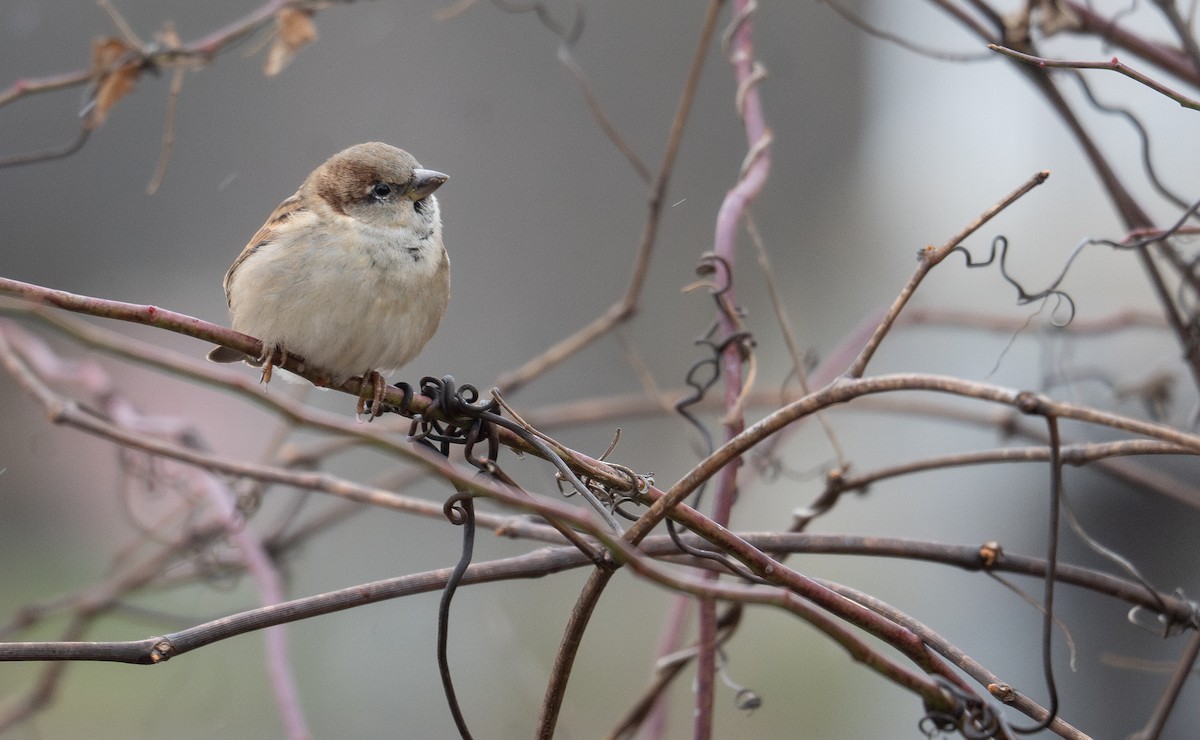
(625, 307)
(168, 137)
(1162, 711)
(1113, 64)
(789, 334)
(928, 259)
(861, 23)
(1170, 59)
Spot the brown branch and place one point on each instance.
(964, 662)
(133, 313)
(63, 411)
(543, 562)
(1120, 320)
(1167, 58)
(158, 649)
(1076, 454)
(1022, 703)
(990, 557)
(848, 389)
(189, 326)
(1113, 65)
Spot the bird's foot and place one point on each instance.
(378, 387)
(275, 355)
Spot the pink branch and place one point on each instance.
(96, 383)
(132, 312)
(753, 177)
(270, 591)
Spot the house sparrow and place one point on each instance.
(350, 272)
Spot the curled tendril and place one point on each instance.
(717, 275)
(463, 420)
(454, 509)
(700, 384)
(717, 268)
(999, 255)
(637, 485)
(971, 715)
(613, 495)
(460, 510)
(745, 698)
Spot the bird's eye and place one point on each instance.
(381, 190)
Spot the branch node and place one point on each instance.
(162, 651)
(1002, 692)
(1030, 403)
(990, 554)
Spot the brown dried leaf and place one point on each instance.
(294, 29)
(113, 82)
(106, 52)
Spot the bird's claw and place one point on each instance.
(378, 388)
(275, 355)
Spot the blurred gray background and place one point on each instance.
(877, 153)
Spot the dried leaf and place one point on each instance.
(114, 79)
(294, 29)
(106, 52)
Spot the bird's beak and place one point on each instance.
(425, 182)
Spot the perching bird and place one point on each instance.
(350, 273)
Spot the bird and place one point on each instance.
(350, 272)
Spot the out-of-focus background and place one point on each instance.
(877, 152)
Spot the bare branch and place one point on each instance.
(929, 258)
(1113, 64)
